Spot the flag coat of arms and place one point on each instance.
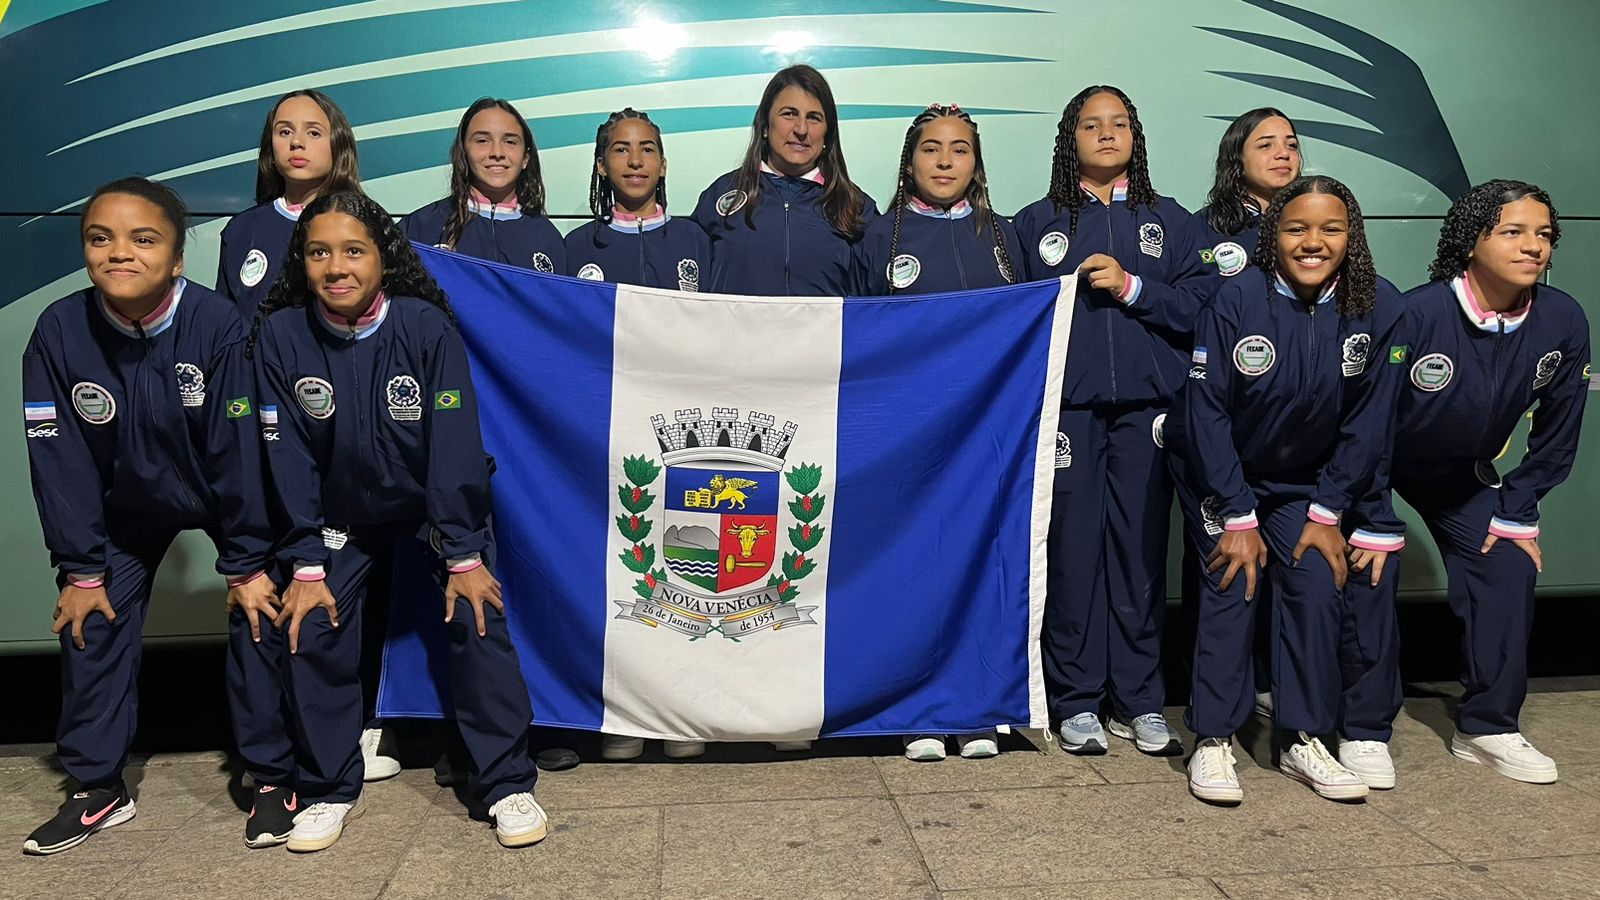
(753, 518)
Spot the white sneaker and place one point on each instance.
(1509, 754)
(1264, 704)
(791, 746)
(979, 745)
(378, 766)
(1211, 774)
(615, 747)
(519, 820)
(1370, 761)
(683, 749)
(925, 747)
(319, 825)
(1309, 762)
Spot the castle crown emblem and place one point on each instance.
(691, 436)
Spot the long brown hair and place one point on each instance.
(346, 172)
(530, 181)
(842, 201)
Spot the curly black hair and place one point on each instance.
(1229, 206)
(1065, 172)
(403, 272)
(1357, 291)
(529, 184)
(1475, 215)
(602, 197)
(977, 191)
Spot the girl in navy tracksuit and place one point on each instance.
(632, 239)
(782, 224)
(1485, 342)
(307, 148)
(373, 443)
(1143, 283)
(942, 235)
(495, 210)
(1258, 155)
(1286, 411)
(141, 423)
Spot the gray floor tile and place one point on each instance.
(1444, 882)
(87, 871)
(1145, 831)
(853, 847)
(1474, 814)
(644, 784)
(590, 853)
(1557, 878)
(1584, 778)
(1016, 769)
(1133, 889)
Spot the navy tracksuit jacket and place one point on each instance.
(938, 250)
(137, 431)
(656, 251)
(496, 233)
(1113, 492)
(776, 244)
(1286, 413)
(372, 438)
(253, 245)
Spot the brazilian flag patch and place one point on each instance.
(1399, 353)
(238, 407)
(447, 400)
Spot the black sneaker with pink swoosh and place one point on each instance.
(84, 813)
(271, 817)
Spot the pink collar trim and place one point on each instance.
(366, 323)
(1483, 317)
(153, 323)
(815, 175)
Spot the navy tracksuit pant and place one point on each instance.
(1369, 654)
(1491, 593)
(99, 684)
(1106, 595)
(1305, 624)
(492, 709)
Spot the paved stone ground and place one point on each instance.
(857, 820)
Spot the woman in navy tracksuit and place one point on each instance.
(307, 148)
(942, 235)
(782, 224)
(1258, 155)
(373, 444)
(633, 240)
(1131, 334)
(141, 424)
(1484, 343)
(1286, 411)
(495, 210)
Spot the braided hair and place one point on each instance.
(977, 193)
(601, 197)
(1357, 290)
(403, 272)
(1475, 215)
(1229, 204)
(1066, 170)
(529, 184)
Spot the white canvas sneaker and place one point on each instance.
(1310, 763)
(320, 825)
(378, 766)
(1370, 761)
(519, 820)
(1211, 774)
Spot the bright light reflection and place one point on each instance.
(656, 39)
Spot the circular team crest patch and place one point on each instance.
(731, 202)
(1254, 355)
(1230, 258)
(191, 384)
(1433, 372)
(688, 275)
(592, 272)
(315, 396)
(1053, 248)
(1158, 431)
(93, 402)
(903, 270)
(254, 268)
(542, 263)
(405, 399)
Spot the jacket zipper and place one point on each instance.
(1494, 379)
(191, 496)
(786, 288)
(955, 252)
(363, 440)
(1111, 345)
(640, 225)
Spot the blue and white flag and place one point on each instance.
(752, 518)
